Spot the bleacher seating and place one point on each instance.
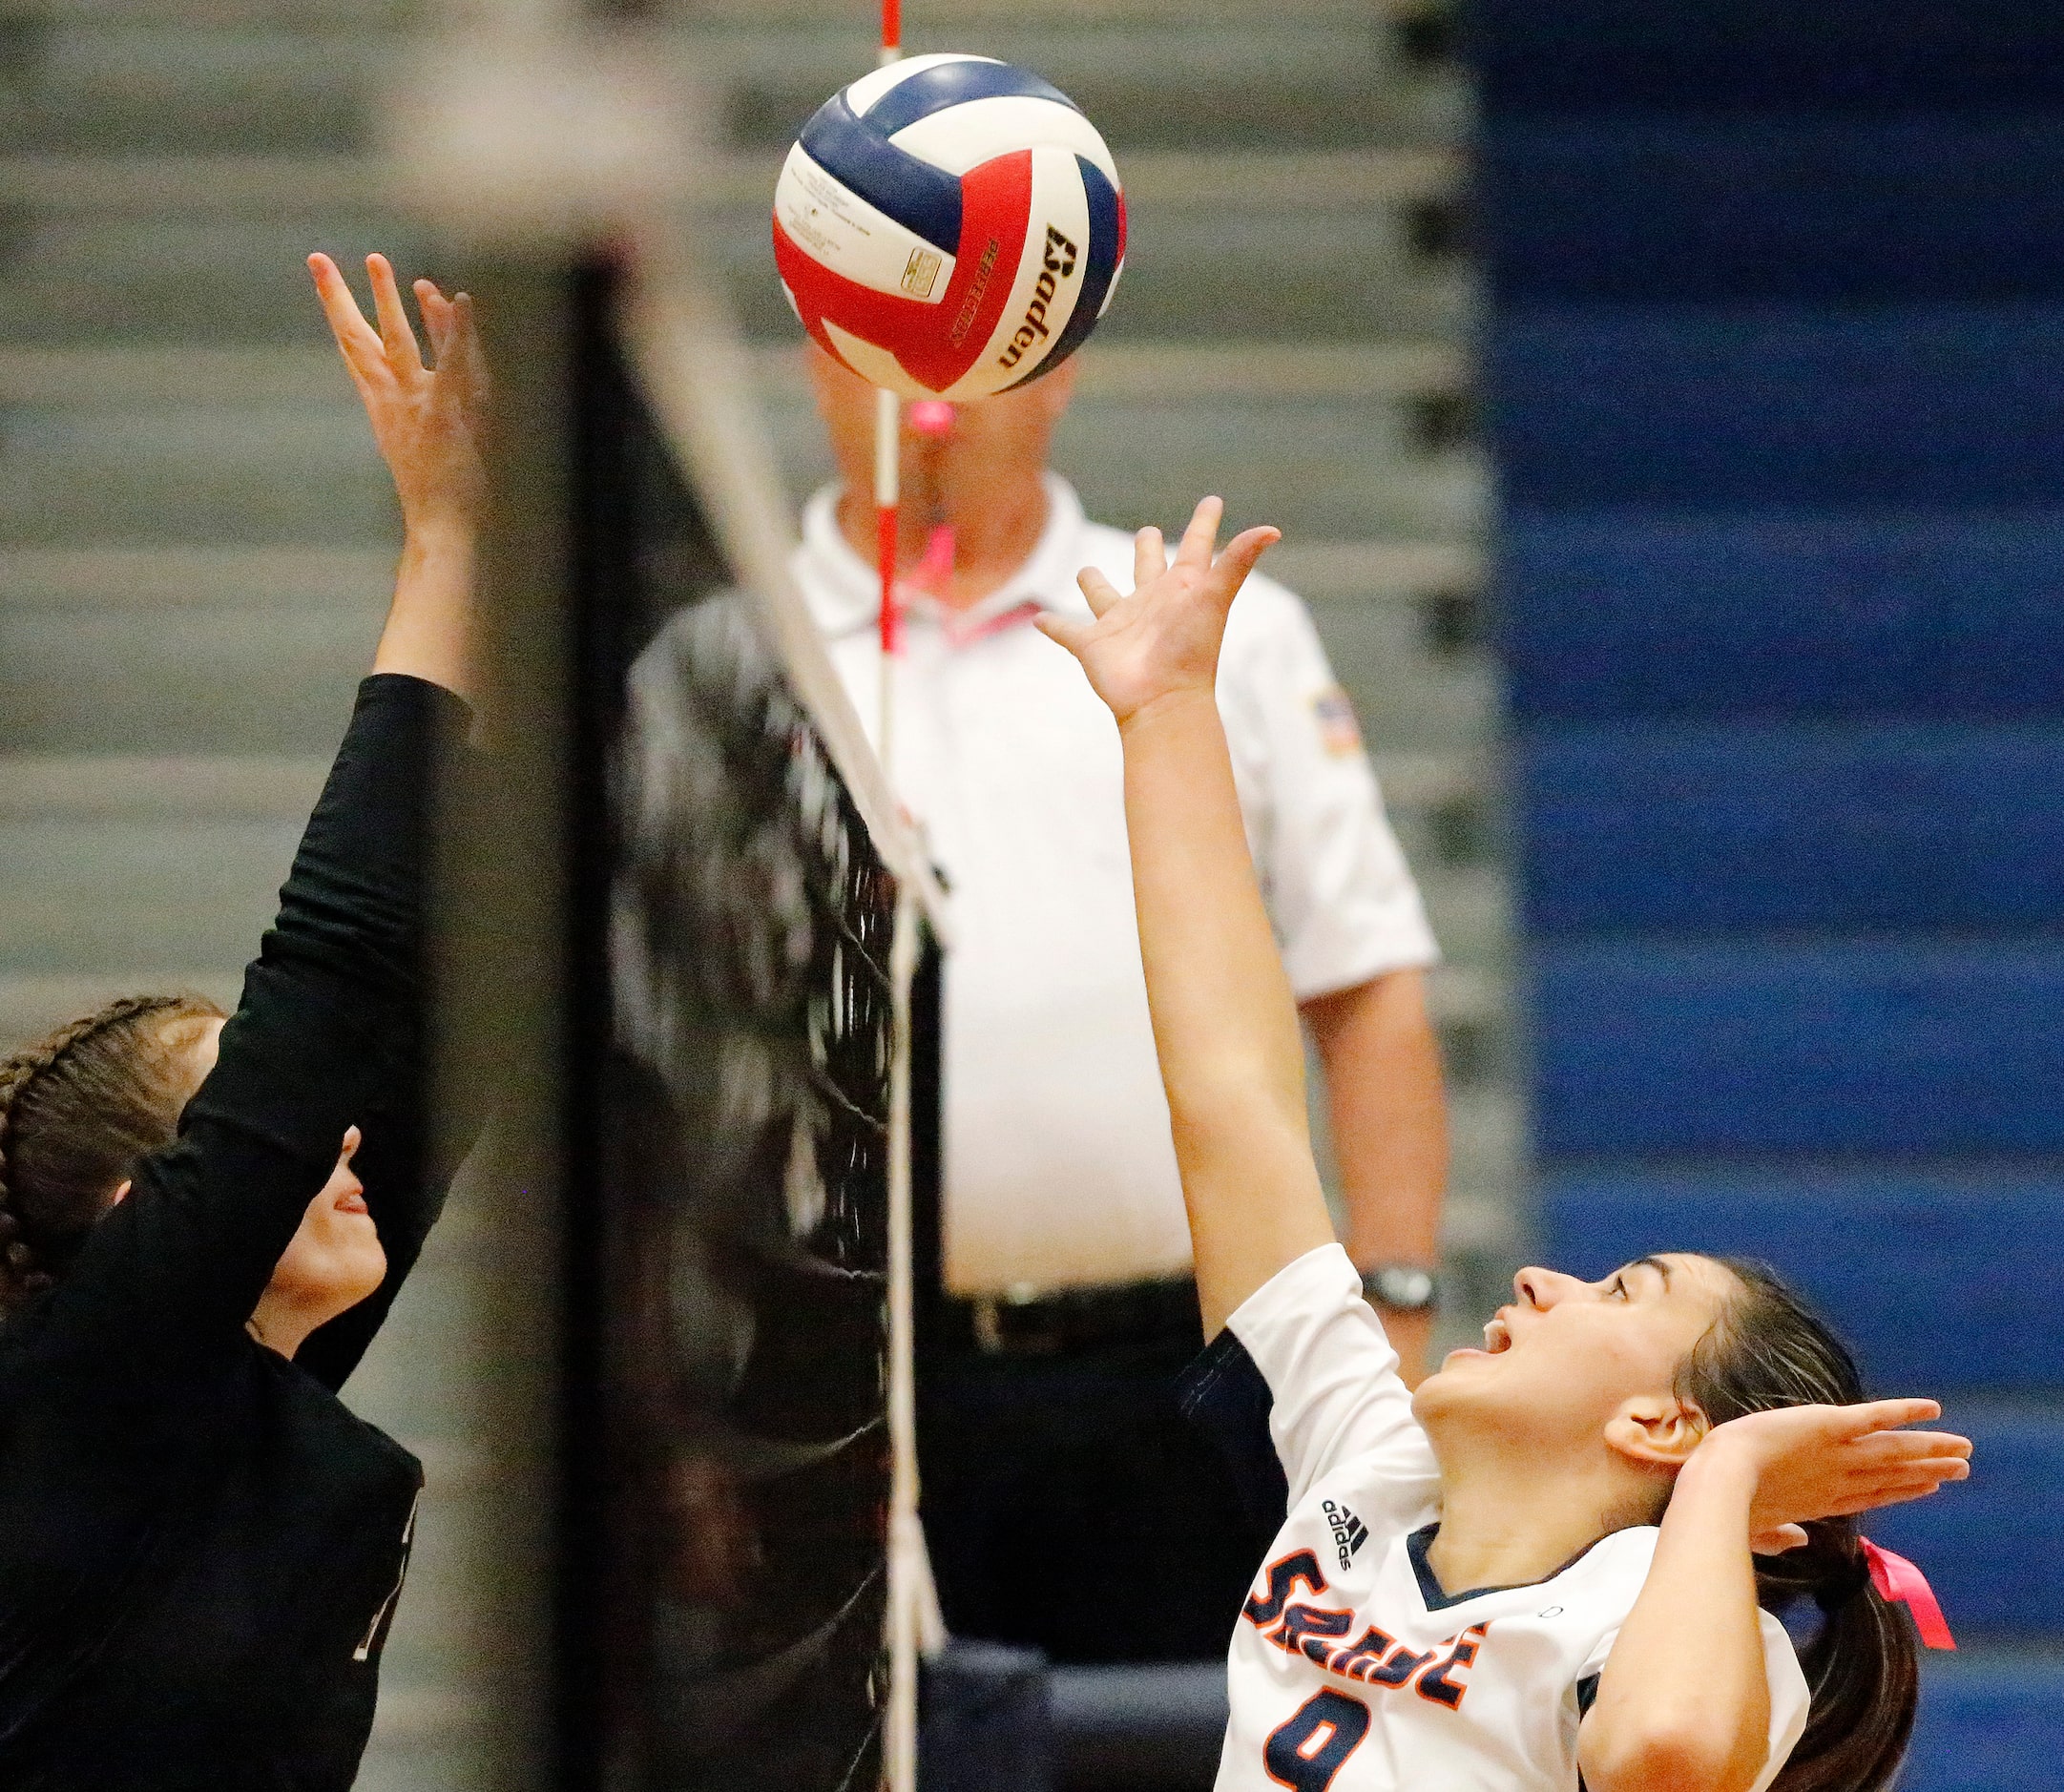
(1817, 827)
(1871, 1241)
(1804, 615)
(1772, 380)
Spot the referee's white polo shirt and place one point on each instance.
(1059, 1168)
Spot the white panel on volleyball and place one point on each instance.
(863, 92)
(854, 240)
(964, 135)
(875, 366)
(1058, 202)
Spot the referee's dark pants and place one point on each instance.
(1067, 1502)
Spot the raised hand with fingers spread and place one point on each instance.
(428, 421)
(1165, 635)
(1833, 1462)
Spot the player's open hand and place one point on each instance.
(1832, 1462)
(427, 420)
(1163, 637)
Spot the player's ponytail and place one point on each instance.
(78, 1109)
(1770, 1349)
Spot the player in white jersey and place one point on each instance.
(1548, 1567)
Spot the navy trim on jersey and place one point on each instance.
(1224, 1394)
(1587, 1696)
(1099, 268)
(1429, 1586)
(952, 84)
(920, 197)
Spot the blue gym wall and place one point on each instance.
(1775, 375)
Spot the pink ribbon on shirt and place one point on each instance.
(1897, 1580)
(966, 634)
(931, 573)
(937, 566)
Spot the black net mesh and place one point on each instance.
(732, 1506)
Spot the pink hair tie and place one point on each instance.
(1897, 1580)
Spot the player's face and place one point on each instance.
(1566, 1356)
(335, 1259)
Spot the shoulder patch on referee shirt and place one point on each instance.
(1338, 732)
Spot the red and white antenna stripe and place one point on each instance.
(913, 1619)
(887, 427)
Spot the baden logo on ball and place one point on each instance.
(949, 226)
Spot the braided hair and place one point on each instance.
(79, 1110)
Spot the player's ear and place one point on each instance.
(1656, 1430)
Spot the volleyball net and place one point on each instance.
(754, 941)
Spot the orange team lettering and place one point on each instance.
(1375, 1658)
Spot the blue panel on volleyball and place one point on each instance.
(1769, 1046)
(1733, 827)
(954, 83)
(910, 190)
(1927, 613)
(1984, 1248)
(1717, 56)
(1989, 1721)
(1102, 269)
(1825, 209)
(1717, 409)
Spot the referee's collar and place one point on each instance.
(844, 592)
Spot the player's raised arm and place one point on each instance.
(1685, 1700)
(1224, 1021)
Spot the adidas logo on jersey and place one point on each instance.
(1349, 1532)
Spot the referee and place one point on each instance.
(201, 1547)
(1067, 1503)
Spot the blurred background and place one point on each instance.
(1774, 395)
(1662, 406)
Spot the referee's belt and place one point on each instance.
(1067, 1320)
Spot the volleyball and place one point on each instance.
(949, 226)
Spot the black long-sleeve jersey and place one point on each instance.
(201, 1547)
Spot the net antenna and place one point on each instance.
(914, 1620)
(887, 523)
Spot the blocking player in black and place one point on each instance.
(204, 1223)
